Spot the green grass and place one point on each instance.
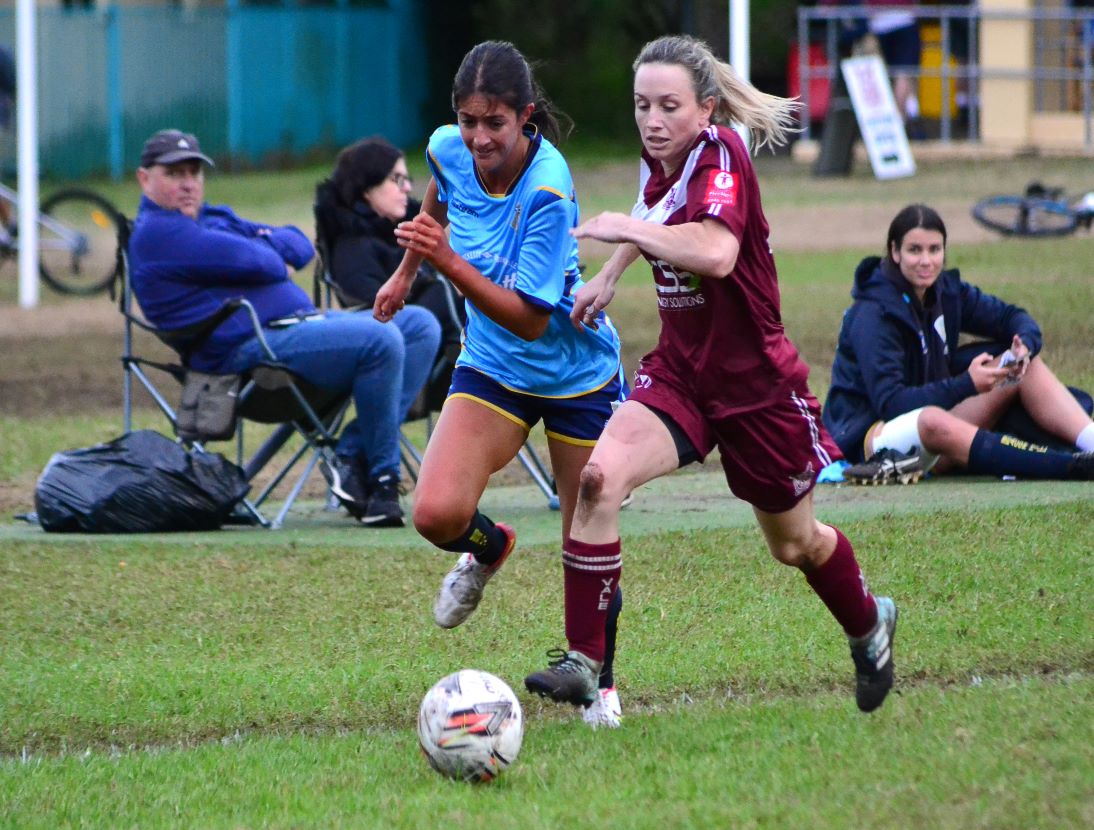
(1003, 754)
(174, 681)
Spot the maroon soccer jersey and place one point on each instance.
(722, 339)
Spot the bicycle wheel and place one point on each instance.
(1022, 216)
(78, 241)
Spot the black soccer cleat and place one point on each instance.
(570, 678)
(886, 466)
(873, 656)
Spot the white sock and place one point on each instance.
(1085, 441)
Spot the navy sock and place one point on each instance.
(607, 678)
(997, 454)
(482, 539)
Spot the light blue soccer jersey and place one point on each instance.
(521, 241)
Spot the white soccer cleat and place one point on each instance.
(461, 590)
(605, 710)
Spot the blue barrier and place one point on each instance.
(257, 84)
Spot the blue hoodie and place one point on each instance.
(182, 270)
(884, 367)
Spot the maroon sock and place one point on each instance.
(840, 584)
(591, 575)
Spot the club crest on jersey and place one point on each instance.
(721, 188)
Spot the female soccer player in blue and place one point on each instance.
(506, 195)
(723, 373)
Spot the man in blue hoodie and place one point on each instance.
(188, 257)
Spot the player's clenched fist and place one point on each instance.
(424, 235)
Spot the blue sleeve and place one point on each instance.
(544, 249)
(208, 256)
(290, 243)
(881, 357)
(985, 315)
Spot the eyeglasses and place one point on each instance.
(400, 180)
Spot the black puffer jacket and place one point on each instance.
(359, 246)
(360, 253)
(885, 362)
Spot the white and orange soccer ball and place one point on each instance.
(470, 726)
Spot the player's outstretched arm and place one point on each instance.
(707, 247)
(392, 294)
(594, 296)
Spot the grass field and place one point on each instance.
(271, 679)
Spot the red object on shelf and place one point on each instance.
(820, 88)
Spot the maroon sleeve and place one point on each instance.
(718, 187)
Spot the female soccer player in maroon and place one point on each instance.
(723, 373)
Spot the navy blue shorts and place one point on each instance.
(578, 420)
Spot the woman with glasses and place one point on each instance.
(506, 196)
(357, 210)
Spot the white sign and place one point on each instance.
(879, 122)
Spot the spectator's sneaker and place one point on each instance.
(571, 677)
(873, 656)
(383, 508)
(605, 710)
(1082, 466)
(462, 587)
(886, 466)
(347, 486)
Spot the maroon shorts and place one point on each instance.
(771, 455)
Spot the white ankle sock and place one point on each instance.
(1085, 440)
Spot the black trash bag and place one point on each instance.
(142, 482)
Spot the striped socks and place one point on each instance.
(590, 579)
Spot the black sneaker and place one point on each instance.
(383, 508)
(886, 466)
(1082, 466)
(348, 486)
(873, 657)
(570, 678)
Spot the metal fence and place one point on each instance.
(1062, 71)
(255, 83)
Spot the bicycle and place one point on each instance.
(1040, 211)
(77, 239)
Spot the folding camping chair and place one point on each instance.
(268, 394)
(326, 289)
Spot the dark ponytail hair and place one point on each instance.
(496, 70)
(913, 216)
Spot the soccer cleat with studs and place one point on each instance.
(461, 590)
(571, 678)
(605, 710)
(873, 657)
(886, 466)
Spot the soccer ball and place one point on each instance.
(470, 726)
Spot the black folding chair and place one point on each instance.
(268, 394)
(326, 289)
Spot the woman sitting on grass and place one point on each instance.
(904, 397)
